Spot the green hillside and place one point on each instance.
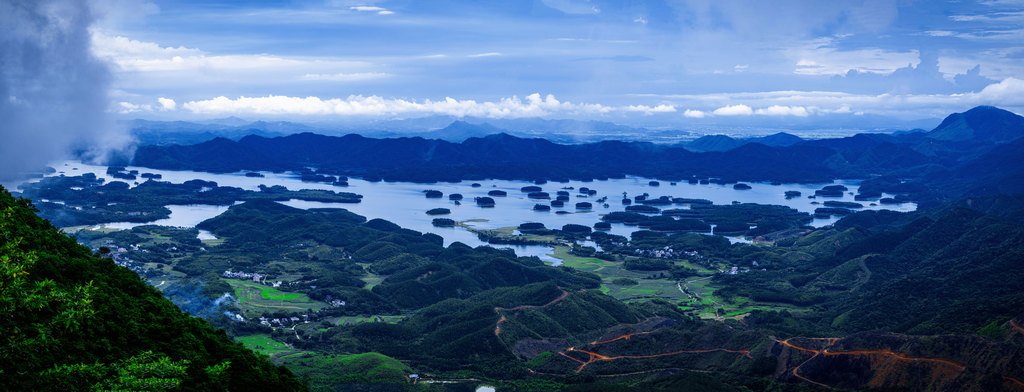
(76, 321)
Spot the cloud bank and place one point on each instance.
(532, 105)
(1008, 93)
(53, 91)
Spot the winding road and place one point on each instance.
(498, 309)
(595, 357)
(1016, 327)
(882, 352)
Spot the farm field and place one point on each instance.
(255, 298)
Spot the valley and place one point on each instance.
(654, 281)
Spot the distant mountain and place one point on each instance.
(509, 157)
(780, 139)
(714, 143)
(228, 121)
(458, 131)
(906, 164)
(726, 143)
(184, 132)
(984, 124)
(557, 130)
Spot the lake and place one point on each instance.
(405, 204)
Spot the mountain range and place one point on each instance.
(908, 163)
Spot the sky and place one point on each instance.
(669, 63)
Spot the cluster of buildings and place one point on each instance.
(667, 253)
(284, 321)
(119, 256)
(255, 277)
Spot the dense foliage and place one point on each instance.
(71, 317)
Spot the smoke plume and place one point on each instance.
(53, 91)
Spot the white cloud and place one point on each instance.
(777, 110)
(990, 17)
(346, 77)
(106, 46)
(1007, 94)
(650, 109)
(128, 107)
(640, 20)
(167, 103)
(1010, 91)
(820, 57)
(488, 54)
(532, 105)
(690, 113)
(149, 57)
(733, 110)
(366, 8)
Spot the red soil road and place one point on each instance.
(881, 352)
(594, 357)
(1017, 327)
(1015, 382)
(796, 370)
(498, 309)
(626, 336)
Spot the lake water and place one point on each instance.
(405, 204)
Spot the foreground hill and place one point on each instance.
(75, 321)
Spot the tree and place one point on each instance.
(38, 312)
(144, 372)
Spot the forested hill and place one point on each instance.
(915, 163)
(76, 321)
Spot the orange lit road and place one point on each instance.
(796, 370)
(626, 337)
(881, 352)
(1018, 383)
(595, 357)
(1017, 327)
(498, 309)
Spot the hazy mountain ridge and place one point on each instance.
(907, 163)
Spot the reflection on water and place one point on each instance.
(405, 204)
(181, 216)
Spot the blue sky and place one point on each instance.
(682, 64)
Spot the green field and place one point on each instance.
(349, 320)
(264, 344)
(371, 279)
(611, 270)
(256, 298)
(664, 288)
(213, 242)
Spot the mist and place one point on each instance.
(53, 90)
